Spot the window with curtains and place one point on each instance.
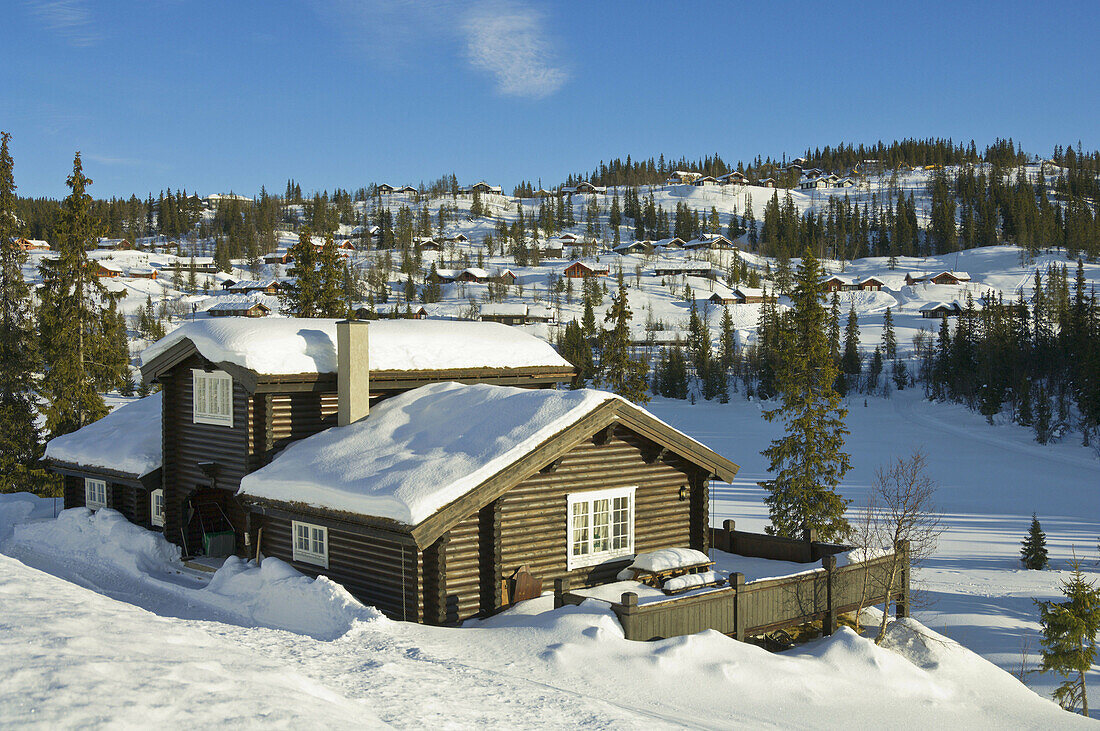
(212, 401)
(601, 526)
(95, 493)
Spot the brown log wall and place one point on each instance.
(377, 572)
(533, 522)
(186, 444)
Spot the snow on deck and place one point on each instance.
(418, 451)
(126, 440)
(284, 346)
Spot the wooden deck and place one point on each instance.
(744, 610)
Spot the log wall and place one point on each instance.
(532, 523)
(381, 573)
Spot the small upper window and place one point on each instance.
(212, 398)
(156, 507)
(310, 543)
(95, 493)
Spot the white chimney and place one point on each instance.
(353, 374)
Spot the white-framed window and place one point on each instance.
(212, 397)
(95, 493)
(310, 543)
(601, 526)
(156, 507)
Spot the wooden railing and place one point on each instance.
(743, 610)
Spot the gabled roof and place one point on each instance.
(428, 458)
(125, 442)
(279, 346)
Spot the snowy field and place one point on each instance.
(991, 479)
(103, 626)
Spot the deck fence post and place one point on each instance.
(901, 608)
(829, 625)
(628, 613)
(737, 583)
(728, 527)
(561, 585)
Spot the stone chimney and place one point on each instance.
(353, 374)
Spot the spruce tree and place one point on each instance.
(299, 296)
(808, 461)
(1033, 550)
(889, 339)
(620, 372)
(70, 318)
(851, 363)
(330, 276)
(577, 349)
(1069, 638)
(19, 437)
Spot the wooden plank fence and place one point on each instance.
(744, 610)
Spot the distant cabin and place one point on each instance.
(633, 247)
(482, 188)
(428, 244)
(683, 268)
(394, 312)
(937, 310)
(734, 178)
(107, 270)
(579, 270)
(386, 189)
(245, 308)
(456, 239)
(871, 284)
(722, 297)
(142, 273)
(845, 183)
(751, 295)
(585, 187)
(683, 177)
(705, 181)
(912, 278)
(505, 314)
(814, 183)
(568, 238)
(248, 286)
(711, 242)
(766, 182)
(279, 257)
(32, 244)
(837, 284)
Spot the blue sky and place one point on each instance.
(231, 96)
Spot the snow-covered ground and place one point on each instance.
(103, 626)
(991, 479)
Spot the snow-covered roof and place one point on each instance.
(504, 310)
(749, 291)
(420, 450)
(127, 440)
(231, 304)
(285, 346)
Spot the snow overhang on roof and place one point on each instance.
(127, 441)
(419, 452)
(292, 346)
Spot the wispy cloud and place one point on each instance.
(71, 19)
(507, 40)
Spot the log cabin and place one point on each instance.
(431, 469)
(580, 270)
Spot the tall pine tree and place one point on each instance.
(71, 318)
(808, 461)
(19, 437)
